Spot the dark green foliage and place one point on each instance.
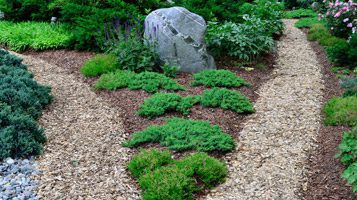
(153, 82)
(100, 64)
(169, 70)
(318, 32)
(306, 22)
(23, 10)
(226, 99)
(217, 78)
(114, 80)
(148, 160)
(181, 134)
(300, 13)
(161, 103)
(350, 87)
(168, 179)
(348, 155)
(21, 103)
(341, 111)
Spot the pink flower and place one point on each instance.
(349, 25)
(330, 5)
(338, 14)
(328, 13)
(345, 20)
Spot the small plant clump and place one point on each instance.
(114, 80)
(181, 134)
(163, 178)
(160, 103)
(217, 78)
(100, 64)
(300, 13)
(307, 22)
(226, 99)
(341, 111)
(152, 82)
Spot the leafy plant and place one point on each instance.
(153, 82)
(350, 175)
(226, 99)
(217, 78)
(169, 71)
(341, 111)
(115, 80)
(181, 134)
(300, 13)
(318, 32)
(160, 103)
(307, 22)
(100, 64)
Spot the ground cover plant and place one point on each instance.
(300, 13)
(114, 80)
(35, 35)
(341, 111)
(183, 134)
(307, 22)
(21, 102)
(100, 64)
(217, 78)
(350, 86)
(161, 177)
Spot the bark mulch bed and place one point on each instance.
(324, 181)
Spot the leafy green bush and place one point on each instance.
(153, 82)
(318, 32)
(181, 134)
(36, 35)
(114, 80)
(21, 102)
(244, 41)
(341, 111)
(217, 78)
(307, 22)
(170, 70)
(160, 103)
(162, 178)
(300, 13)
(338, 53)
(226, 99)
(100, 64)
(23, 10)
(330, 41)
(348, 155)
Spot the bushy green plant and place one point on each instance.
(307, 22)
(341, 111)
(35, 35)
(100, 64)
(153, 82)
(182, 134)
(331, 41)
(318, 32)
(217, 78)
(350, 174)
(170, 70)
(350, 87)
(339, 54)
(244, 41)
(23, 10)
(160, 103)
(226, 99)
(300, 13)
(162, 178)
(114, 80)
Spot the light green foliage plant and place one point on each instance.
(36, 35)
(217, 78)
(170, 70)
(100, 64)
(114, 80)
(307, 22)
(350, 86)
(152, 82)
(182, 134)
(318, 32)
(226, 99)
(341, 111)
(300, 13)
(160, 103)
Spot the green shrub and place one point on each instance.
(153, 82)
(300, 13)
(307, 22)
(169, 71)
(100, 64)
(318, 32)
(181, 134)
(148, 160)
(341, 111)
(114, 80)
(330, 41)
(24, 10)
(160, 103)
(217, 78)
(350, 174)
(163, 178)
(226, 99)
(35, 35)
(350, 86)
(338, 53)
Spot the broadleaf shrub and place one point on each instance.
(226, 99)
(100, 64)
(182, 134)
(341, 111)
(217, 78)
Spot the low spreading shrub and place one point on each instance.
(348, 155)
(169, 70)
(318, 32)
(307, 22)
(217, 78)
(161, 177)
(153, 82)
(226, 99)
(343, 53)
(114, 80)
(182, 134)
(300, 13)
(160, 103)
(100, 64)
(35, 35)
(341, 111)
(349, 86)
(331, 41)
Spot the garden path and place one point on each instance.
(270, 162)
(83, 158)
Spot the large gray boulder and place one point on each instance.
(179, 38)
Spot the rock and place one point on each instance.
(10, 161)
(316, 6)
(179, 37)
